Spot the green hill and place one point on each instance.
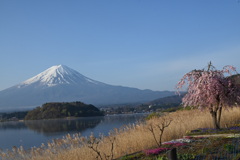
(62, 110)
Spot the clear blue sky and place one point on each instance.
(147, 44)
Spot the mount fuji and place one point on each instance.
(63, 84)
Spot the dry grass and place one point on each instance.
(129, 139)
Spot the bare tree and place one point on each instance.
(93, 144)
(161, 127)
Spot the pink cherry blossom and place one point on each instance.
(211, 89)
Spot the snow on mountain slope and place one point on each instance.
(59, 74)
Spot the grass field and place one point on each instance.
(126, 140)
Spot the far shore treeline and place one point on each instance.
(56, 110)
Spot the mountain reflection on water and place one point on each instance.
(34, 133)
(53, 127)
(13, 125)
(50, 127)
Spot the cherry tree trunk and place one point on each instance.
(219, 116)
(215, 120)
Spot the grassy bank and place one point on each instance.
(128, 139)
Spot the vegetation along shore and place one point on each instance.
(124, 141)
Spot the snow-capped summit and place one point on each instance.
(56, 75)
(62, 84)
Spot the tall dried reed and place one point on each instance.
(128, 139)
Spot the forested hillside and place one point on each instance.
(62, 110)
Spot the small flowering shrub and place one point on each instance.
(234, 129)
(183, 140)
(179, 144)
(155, 151)
(203, 131)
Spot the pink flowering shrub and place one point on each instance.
(179, 144)
(155, 151)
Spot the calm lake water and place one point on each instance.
(34, 133)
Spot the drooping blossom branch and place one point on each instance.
(210, 89)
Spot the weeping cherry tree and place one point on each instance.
(211, 89)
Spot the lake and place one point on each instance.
(33, 133)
